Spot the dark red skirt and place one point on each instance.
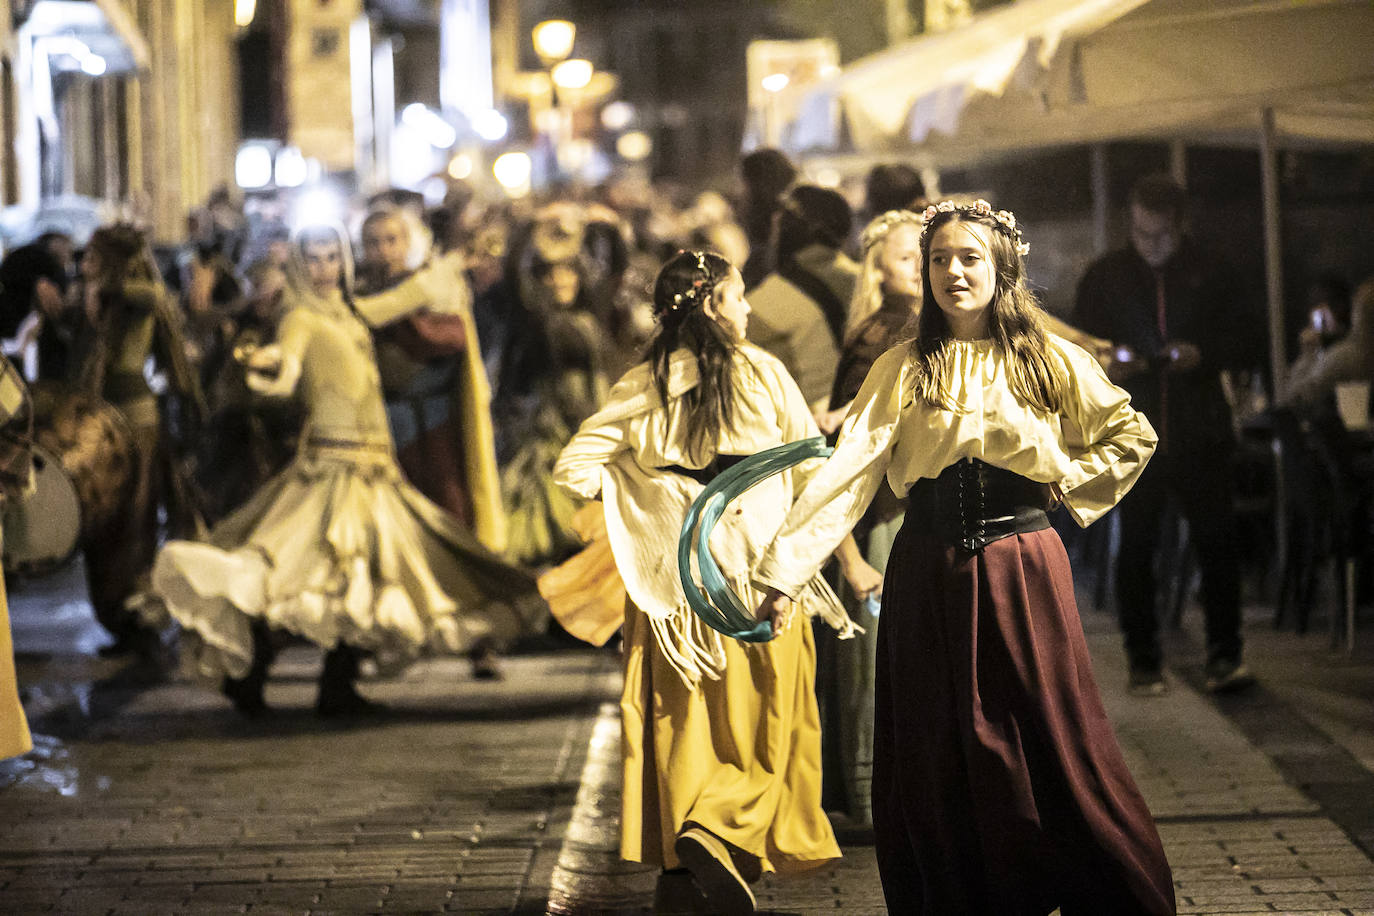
(998, 783)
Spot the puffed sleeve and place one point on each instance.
(595, 444)
(839, 492)
(1108, 442)
(287, 354)
(794, 418)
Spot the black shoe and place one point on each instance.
(1146, 682)
(138, 642)
(714, 871)
(485, 666)
(749, 866)
(246, 695)
(347, 704)
(1226, 675)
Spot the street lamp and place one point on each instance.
(572, 74)
(553, 40)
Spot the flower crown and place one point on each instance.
(701, 287)
(1003, 218)
(878, 229)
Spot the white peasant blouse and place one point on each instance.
(1094, 450)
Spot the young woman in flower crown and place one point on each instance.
(998, 784)
(721, 738)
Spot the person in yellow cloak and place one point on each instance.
(16, 428)
(438, 397)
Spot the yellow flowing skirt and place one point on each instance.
(14, 728)
(338, 548)
(740, 756)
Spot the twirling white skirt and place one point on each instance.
(339, 548)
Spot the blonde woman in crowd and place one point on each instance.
(883, 312)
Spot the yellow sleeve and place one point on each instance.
(838, 493)
(433, 286)
(294, 332)
(1108, 442)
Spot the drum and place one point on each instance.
(94, 445)
(43, 527)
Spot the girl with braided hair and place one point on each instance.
(721, 739)
(998, 785)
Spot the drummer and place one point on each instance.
(722, 741)
(126, 317)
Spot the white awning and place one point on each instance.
(930, 77)
(1096, 71)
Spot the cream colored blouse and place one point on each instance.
(620, 453)
(1093, 451)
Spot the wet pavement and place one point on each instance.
(470, 796)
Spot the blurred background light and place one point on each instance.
(634, 146)
(512, 170)
(572, 74)
(828, 178)
(490, 125)
(553, 39)
(291, 169)
(460, 167)
(776, 82)
(439, 133)
(244, 11)
(548, 120)
(318, 205)
(253, 166)
(617, 115)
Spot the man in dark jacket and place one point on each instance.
(1176, 317)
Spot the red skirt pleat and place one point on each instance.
(998, 783)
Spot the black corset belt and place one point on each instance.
(719, 465)
(971, 504)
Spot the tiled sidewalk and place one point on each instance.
(1241, 837)
(161, 800)
(455, 801)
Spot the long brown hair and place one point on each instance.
(685, 284)
(1015, 324)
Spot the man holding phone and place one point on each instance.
(1176, 317)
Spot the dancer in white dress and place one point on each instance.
(338, 548)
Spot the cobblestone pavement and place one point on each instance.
(501, 797)
(1263, 800)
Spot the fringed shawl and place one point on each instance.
(621, 452)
